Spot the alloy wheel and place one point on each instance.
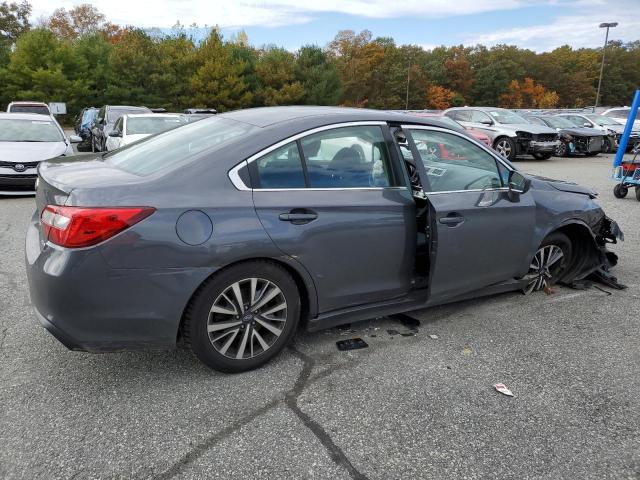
(503, 148)
(247, 318)
(561, 149)
(546, 264)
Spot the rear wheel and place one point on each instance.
(243, 316)
(606, 146)
(542, 156)
(505, 147)
(638, 193)
(620, 191)
(550, 262)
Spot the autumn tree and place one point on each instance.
(439, 98)
(14, 20)
(81, 20)
(276, 71)
(528, 94)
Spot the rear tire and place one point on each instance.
(638, 193)
(620, 191)
(229, 325)
(550, 262)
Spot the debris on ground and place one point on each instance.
(500, 387)
(548, 290)
(351, 344)
(433, 337)
(467, 350)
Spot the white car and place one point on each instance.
(136, 126)
(29, 107)
(620, 114)
(26, 139)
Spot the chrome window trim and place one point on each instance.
(237, 182)
(476, 190)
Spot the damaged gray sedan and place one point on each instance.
(229, 233)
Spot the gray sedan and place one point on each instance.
(26, 139)
(229, 233)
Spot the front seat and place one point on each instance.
(348, 169)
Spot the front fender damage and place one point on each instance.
(594, 261)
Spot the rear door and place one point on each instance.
(333, 200)
(481, 236)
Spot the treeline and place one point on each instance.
(78, 57)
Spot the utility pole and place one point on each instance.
(406, 104)
(606, 39)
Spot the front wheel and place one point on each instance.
(620, 191)
(505, 147)
(243, 316)
(562, 150)
(638, 193)
(550, 263)
(542, 156)
(606, 146)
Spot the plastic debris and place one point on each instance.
(351, 344)
(433, 337)
(500, 387)
(467, 350)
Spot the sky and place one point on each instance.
(540, 25)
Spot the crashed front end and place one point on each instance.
(529, 143)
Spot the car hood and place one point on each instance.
(21, 152)
(565, 186)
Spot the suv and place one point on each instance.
(106, 118)
(29, 107)
(511, 135)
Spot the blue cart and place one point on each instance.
(627, 172)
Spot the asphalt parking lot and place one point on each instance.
(406, 407)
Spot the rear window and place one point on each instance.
(178, 146)
(113, 114)
(29, 131)
(41, 109)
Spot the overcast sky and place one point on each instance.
(540, 25)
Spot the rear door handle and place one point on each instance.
(452, 220)
(298, 218)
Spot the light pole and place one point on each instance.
(606, 39)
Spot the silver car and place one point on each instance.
(26, 139)
(610, 127)
(511, 135)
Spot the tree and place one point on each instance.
(275, 69)
(528, 94)
(14, 21)
(439, 98)
(81, 20)
(319, 78)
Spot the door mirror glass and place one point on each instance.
(75, 138)
(587, 124)
(518, 183)
(486, 122)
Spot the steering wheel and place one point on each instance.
(489, 177)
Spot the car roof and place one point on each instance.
(27, 116)
(308, 116)
(161, 115)
(28, 102)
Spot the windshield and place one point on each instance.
(14, 130)
(114, 114)
(506, 117)
(602, 120)
(41, 109)
(621, 114)
(178, 146)
(559, 122)
(150, 125)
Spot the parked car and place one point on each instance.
(621, 114)
(231, 232)
(573, 139)
(511, 135)
(29, 107)
(477, 134)
(133, 127)
(606, 125)
(105, 120)
(82, 126)
(26, 139)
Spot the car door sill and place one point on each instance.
(413, 301)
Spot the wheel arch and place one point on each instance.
(585, 248)
(306, 287)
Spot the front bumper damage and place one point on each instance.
(542, 143)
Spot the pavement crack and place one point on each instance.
(291, 400)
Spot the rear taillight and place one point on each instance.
(75, 227)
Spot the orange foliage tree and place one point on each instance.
(439, 98)
(528, 94)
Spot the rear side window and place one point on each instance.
(348, 157)
(281, 168)
(174, 148)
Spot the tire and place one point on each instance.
(620, 191)
(542, 156)
(505, 147)
(562, 150)
(545, 269)
(606, 146)
(221, 348)
(638, 193)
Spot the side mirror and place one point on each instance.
(587, 124)
(486, 122)
(115, 133)
(518, 183)
(75, 138)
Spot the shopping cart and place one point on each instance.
(628, 175)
